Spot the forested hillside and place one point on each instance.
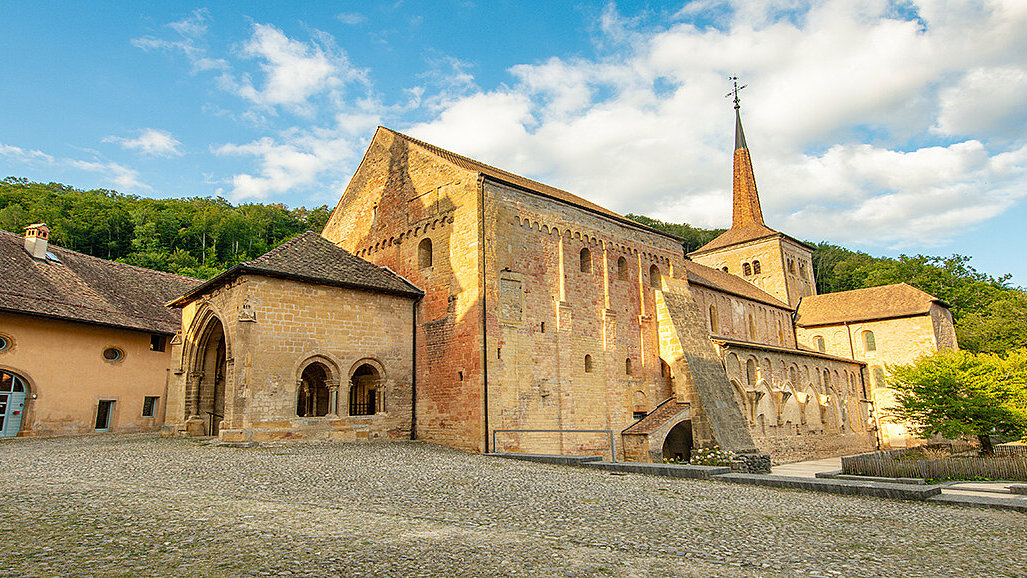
(990, 315)
(200, 237)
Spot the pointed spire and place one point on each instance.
(745, 202)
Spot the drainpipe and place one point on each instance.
(413, 372)
(484, 309)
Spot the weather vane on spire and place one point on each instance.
(735, 91)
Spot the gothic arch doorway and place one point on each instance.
(678, 443)
(207, 394)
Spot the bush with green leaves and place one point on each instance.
(958, 393)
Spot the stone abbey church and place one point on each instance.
(450, 301)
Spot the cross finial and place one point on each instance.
(734, 92)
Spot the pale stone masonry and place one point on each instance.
(275, 349)
(454, 302)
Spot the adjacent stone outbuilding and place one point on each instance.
(306, 341)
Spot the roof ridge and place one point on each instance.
(439, 150)
(281, 247)
(51, 245)
(531, 185)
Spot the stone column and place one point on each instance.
(193, 381)
(333, 397)
(301, 387)
(194, 425)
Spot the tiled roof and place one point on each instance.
(656, 418)
(728, 283)
(884, 302)
(736, 235)
(525, 183)
(87, 289)
(311, 258)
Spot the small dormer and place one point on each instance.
(36, 240)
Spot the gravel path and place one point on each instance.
(131, 505)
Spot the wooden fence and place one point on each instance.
(1011, 465)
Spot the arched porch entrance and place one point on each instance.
(205, 396)
(678, 443)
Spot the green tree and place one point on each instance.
(956, 393)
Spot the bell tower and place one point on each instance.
(776, 263)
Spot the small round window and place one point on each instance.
(4, 343)
(113, 354)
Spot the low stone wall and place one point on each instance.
(337, 429)
(786, 448)
(891, 464)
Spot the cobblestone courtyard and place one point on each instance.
(129, 505)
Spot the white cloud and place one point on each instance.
(869, 121)
(25, 156)
(985, 100)
(294, 71)
(151, 141)
(190, 32)
(351, 18)
(123, 178)
(298, 158)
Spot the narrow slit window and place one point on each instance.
(622, 269)
(627, 366)
(586, 260)
(588, 364)
(654, 277)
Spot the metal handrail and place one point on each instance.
(212, 416)
(613, 448)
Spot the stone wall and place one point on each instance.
(274, 330)
(699, 376)
(400, 197)
(735, 318)
(785, 267)
(895, 342)
(572, 337)
(800, 405)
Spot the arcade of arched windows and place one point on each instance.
(797, 395)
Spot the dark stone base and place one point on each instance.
(751, 463)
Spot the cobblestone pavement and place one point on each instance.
(140, 505)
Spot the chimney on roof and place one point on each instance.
(36, 239)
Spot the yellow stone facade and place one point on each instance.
(882, 343)
(246, 347)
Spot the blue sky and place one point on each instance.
(888, 127)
